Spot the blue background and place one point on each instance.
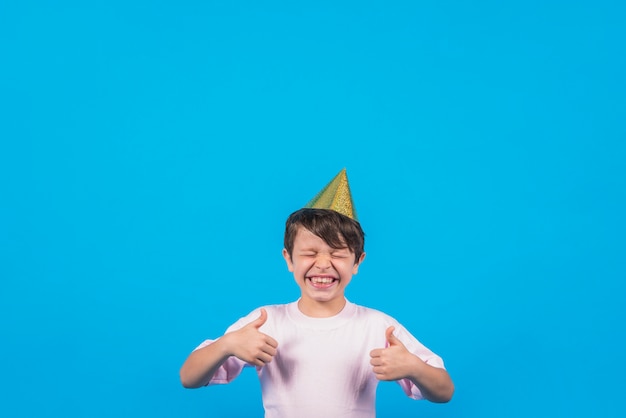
(151, 151)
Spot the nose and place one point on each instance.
(322, 261)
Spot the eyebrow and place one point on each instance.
(333, 250)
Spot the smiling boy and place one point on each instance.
(321, 356)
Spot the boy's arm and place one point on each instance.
(202, 364)
(247, 344)
(395, 362)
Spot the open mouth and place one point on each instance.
(322, 282)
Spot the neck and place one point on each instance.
(317, 309)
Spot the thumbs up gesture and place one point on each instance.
(251, 345)
(393, 362)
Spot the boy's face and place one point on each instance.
(322, 272)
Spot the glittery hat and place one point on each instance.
(336, 196)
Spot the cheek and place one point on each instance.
(297, 269)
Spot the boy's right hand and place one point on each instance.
(251, 345)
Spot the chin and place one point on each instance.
(326, 298)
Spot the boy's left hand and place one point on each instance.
(393, 362)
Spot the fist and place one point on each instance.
(393, 362)
(251, 345)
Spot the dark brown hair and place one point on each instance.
(337, 230)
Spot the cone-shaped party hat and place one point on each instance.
(336, 196)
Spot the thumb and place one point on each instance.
(391, 339)
(257, 323)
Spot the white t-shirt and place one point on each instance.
(322, 366)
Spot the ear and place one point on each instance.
(288, 260)
(355, 268)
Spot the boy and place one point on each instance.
(321, 356)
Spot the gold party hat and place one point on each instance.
(336, 196)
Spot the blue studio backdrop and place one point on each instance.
(150, 153)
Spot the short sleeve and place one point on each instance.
(421, 351)
(233, 366)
